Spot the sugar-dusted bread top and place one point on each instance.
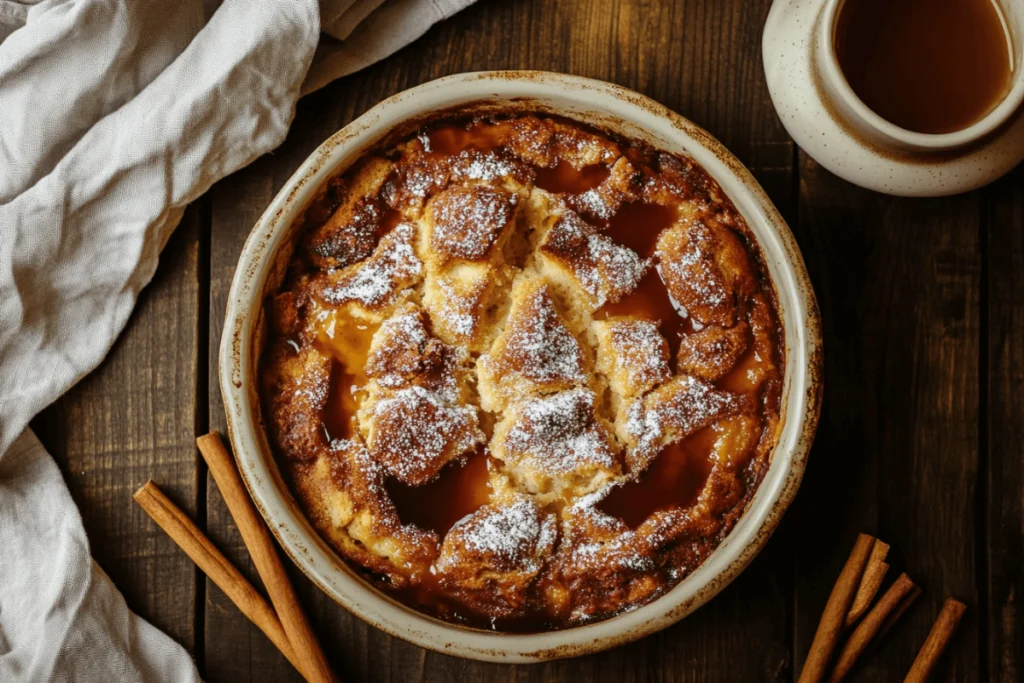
(521, 373)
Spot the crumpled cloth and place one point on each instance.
(114, 116)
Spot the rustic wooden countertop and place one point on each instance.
(922, 431)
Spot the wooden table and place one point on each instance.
(921, 436)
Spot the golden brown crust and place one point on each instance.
(535, 353)
(469, 222)
(415, 415)
(672, 412)
(713, 351)
(490, 559)
(375, 284)
(706, 270)
(460, 310)
(632, 354)
(343, 492)
(352, 231)
(555, 447)
(601, 270)
(296, 386)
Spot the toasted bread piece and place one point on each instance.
(535, 353)
(416, 417)
(355, 227)
(492, 557)
(706, 269)
(296, 391)
(712, 351)
(343, 492)
(372, 287)
(556, 447)
(672, 412)
(632, 354)
(598, 269)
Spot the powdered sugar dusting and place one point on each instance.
(561, 433)
(539, 346)
(404, 353)
(593, 203)
(377, 280)
(691, 272)
(605, 270)
(680, 407)
(636, 352)
(509, 536)
(486, 166)
(467, 221)
(457, 310)
(415, 431)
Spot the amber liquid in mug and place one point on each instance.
(929, 66)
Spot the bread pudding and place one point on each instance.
(521, 374)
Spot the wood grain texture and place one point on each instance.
(896, 454)
(1004, 486)
(133, 419)
(921, 435)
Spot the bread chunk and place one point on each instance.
(632, 354)
(492, 557)
(556, 446)
(535, 353)
(705, 268)
(597, 268)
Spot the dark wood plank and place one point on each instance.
(1004, 222)
(234, 649)
(896, 454)
(700, 57)
(134, 419)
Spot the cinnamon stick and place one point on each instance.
(938, 638)
(212, 562)
(874, 573)
(264, 555)
(869, 627)
(834, 616)
(898, 612)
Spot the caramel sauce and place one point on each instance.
(929, 66)
(638, 226)
(460, 489)
(388, 221)
(347, 339)
(564, 178)
(340, 410)
(478, 135)
(652, 301)
(673, 480)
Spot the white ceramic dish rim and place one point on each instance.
(587, 100)
(1000, 114)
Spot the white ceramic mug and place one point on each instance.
(877, 129)
(832, 124)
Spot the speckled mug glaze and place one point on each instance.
(613, 109)
(828, 121)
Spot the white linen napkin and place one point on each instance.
(114, 116)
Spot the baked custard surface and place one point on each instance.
(521, 374)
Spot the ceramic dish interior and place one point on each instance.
(617, 111)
